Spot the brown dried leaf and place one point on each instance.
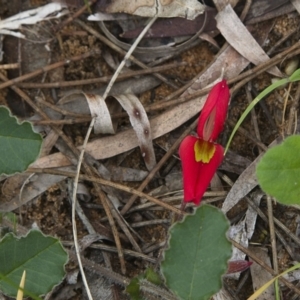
(259, 275)
(149, 8)
(177, 26)
(148, 54)
(99, 110)
(296, 4)
(140, 123)
(238, 36)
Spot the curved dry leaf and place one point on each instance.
(140, 123)
(149, 8)
(238, 36)
(99, 110)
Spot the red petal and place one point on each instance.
(197, 175)
(214, 112)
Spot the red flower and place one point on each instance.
(200, 156)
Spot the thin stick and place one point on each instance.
(104, 79)
(76, 14)
(74, 200)
(48, 68)
(61, 122)
(112, 249)
(272, 234)
(10, 66)
(108, 183)
(158, 166)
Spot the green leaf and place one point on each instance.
(278, 172)
(133, 289)
(19, 144)
(295, 76)
(43, 258)
(152, 277)
(198, 254)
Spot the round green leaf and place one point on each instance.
(198, 254)
(278, 172)
(43, 258)
(19, 144)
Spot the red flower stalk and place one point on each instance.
(201, 156)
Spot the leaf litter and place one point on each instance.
(164, 123)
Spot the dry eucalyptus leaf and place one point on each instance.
(149, 8)
(259, 275)
(238, 36)
(99, 110)
(33, 16)
(242, 231)
(251, 214)
(237, 232)
(177, 26)
(296, 4)
(222, 295)
(140, 123)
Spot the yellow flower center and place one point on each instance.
(204, 151)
